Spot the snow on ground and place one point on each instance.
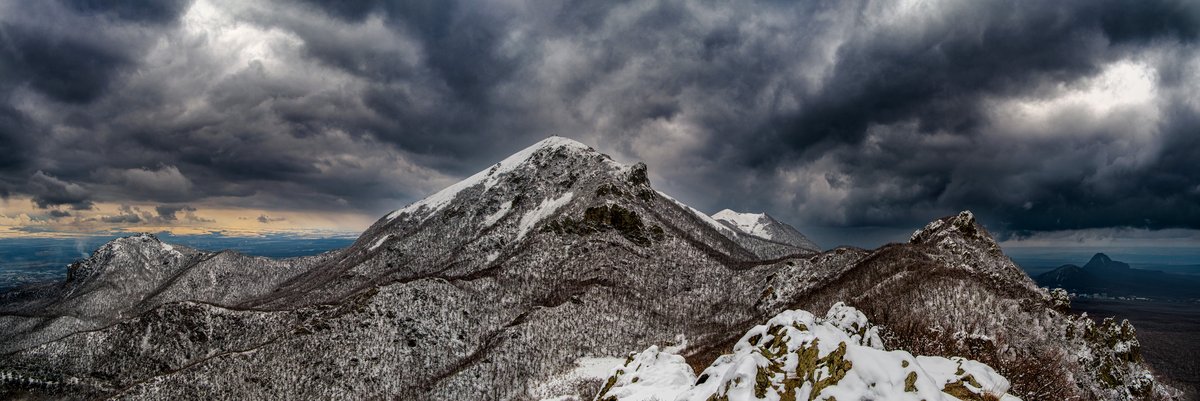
(751, 223)
(586, 369)
(380, 241)
(488, 177)
(800, 356)
(544, 210)
(651, 375)
(491, 219)
(598, 369)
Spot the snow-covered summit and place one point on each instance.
(131, 250)
(490, 176)
(750, 223)
(764, 226)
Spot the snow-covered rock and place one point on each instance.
(798, 356)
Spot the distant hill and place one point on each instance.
(1102, 275)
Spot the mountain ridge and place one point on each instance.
(503, 282)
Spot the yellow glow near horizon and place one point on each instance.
(19, 217)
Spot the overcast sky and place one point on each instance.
(856, 121)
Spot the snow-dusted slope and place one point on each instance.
(497, 285)
(485, 286)
(749, 223)
(798, 356)
(487, 178)
(951, 291)
(766, 227)
(132, 275)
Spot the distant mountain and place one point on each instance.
(764, 226)
(1102, 263)
(1102, 275)
(508, 283)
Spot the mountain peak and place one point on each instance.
(764, 226)
(964, 222)
(556, 141)
(748, 222)
(491, 175)
(127, 251)
(1101, 261)
(138, 241)
(961, 228)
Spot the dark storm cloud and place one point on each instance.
(122, 219)
(146, 11)
(836, 113)
(170, 214)
(71, 64)
(48, 191)
(167, 212)
(14, 141)
(941, 82)
(128, 215)
(66, 69)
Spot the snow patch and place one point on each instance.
(751, 223)
(544, 210)
(595, 367)
(651, 375)
(488, 178)
(491, 219)
(380, 241)
(586, 369)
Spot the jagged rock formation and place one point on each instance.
(950, 291)
(495, 285)
(798, 356)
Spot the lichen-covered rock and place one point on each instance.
(798, 356)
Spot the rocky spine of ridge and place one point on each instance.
(486, 285)
(557, 186)
(951, 292)
(500, 283)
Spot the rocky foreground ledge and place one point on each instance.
(798, 356)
